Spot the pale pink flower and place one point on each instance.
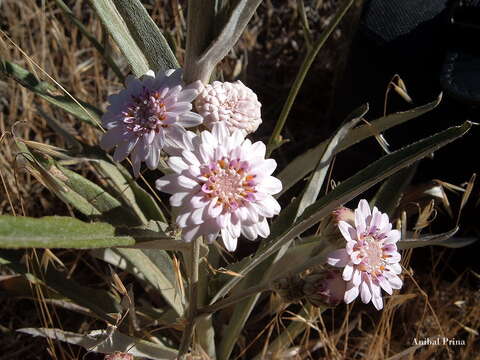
(148, 114)
(370, 259)
(222, 184)
(234, 104)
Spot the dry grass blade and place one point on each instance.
(466, 195)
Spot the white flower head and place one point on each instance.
(234, 104)
(148, 114)
(222, 184)
(370, 258)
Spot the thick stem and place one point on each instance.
(192, 299)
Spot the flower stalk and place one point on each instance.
(192, 298)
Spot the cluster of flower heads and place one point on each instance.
(221, 181)
(222, 184)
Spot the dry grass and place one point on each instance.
(446, 307)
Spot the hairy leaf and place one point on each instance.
(57, 232)
(315, 183)
(147, 35)
(107, 342)
(158, 271)
(305, 163)
(112, 20)
(446, 239)
(83, 111)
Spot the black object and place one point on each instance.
(460, 77)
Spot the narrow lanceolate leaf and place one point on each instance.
(315, 183)
(446, 239)
(107, 342)
(113, 21)
(305, 163)
(350, 188)
(147, 35)
(83, 111)
(57, 232)
(101, 302)
(77, 191)
(160, 277)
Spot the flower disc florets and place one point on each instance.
(148, 114)
(370, 259)
(233, 104)
(222, 184)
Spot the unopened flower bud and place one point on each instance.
(326, 288)
(344, 214)
(233, 104)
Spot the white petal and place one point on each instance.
(393, 236)
(177, 164)
(357, 277)
(123, 149)
(178, 198)
(351, 293)
(347, 272)
(229, 241)
(189, 119)
(365, 292)
(214, 209)
(112, 137)
(385, 285)
(264, 168)
(197, 216)
(249, 232)
(376, 296)
(153, 158)
(360, 223)
(395, 281)
(364, 208)
(191, 233)
(186, 182)
(262, 228)
(220, 132)
(270, 185)
(345, 228)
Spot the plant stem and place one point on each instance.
(276, 140)
(234, 299)
(192, 299)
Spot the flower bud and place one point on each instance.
(344, 214)
(326, 288)
(233, 104)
